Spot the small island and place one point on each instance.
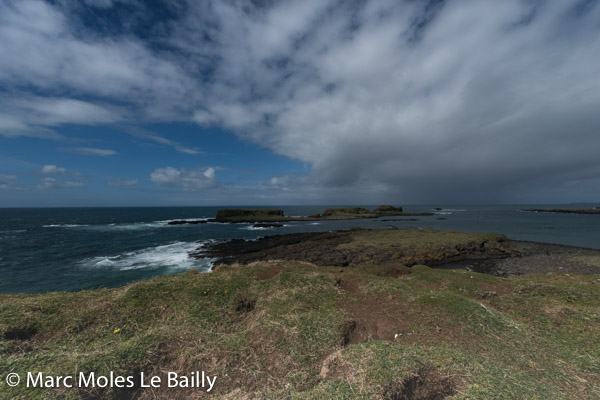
(246, 215)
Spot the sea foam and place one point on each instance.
(174, 256)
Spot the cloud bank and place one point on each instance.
(415, 101)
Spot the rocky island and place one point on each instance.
(242, 215)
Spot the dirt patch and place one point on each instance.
(348, 329)
(394, 271)
(428, 383)
(536, 289)
(371, 320)
(348, 284)
(268, 273)
(334, 366)
(379, 317)
(20, 332)
(245, 305)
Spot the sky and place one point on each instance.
(239, 102)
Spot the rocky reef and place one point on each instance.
(242, 214)
(388, 210)
(187, 222)
(362, 247)
(346, 212)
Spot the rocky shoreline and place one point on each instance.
(486, 253)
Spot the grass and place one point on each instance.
(419, 240)
(418, 246)
(589, 260)
(276, 330)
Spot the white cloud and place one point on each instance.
(53, 170)
(51, 183)
(25, 115)
(186, 179)
(145, 134)
(91, 151)
(7, 182)
(278, 180)
(44, 51)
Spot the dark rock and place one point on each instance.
(228, 214)
(184, 222)
(267, 225)
(388, 210)
(330, 212)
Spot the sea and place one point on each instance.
(71, 249)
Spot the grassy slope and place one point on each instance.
(279, 331)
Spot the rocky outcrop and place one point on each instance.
(227, 215)
(185, 222)
(336, 248)
(273, 215)
(388, 210)
(347, 212)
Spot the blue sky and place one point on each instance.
(130, 102)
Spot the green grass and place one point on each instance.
(532, 336)
(589, 260)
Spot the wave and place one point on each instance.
(129, 226)
(262, 228)
(64, 225)
(132, 226)
(174, 256)
(166, 221)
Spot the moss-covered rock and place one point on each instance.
(346, 212)
(248, 214)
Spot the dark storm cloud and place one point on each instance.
(460, 101)
(410, 101)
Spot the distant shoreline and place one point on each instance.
(565, 210)
(271, 216)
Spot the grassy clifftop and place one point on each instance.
(286, 329)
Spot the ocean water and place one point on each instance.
(82, 248)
